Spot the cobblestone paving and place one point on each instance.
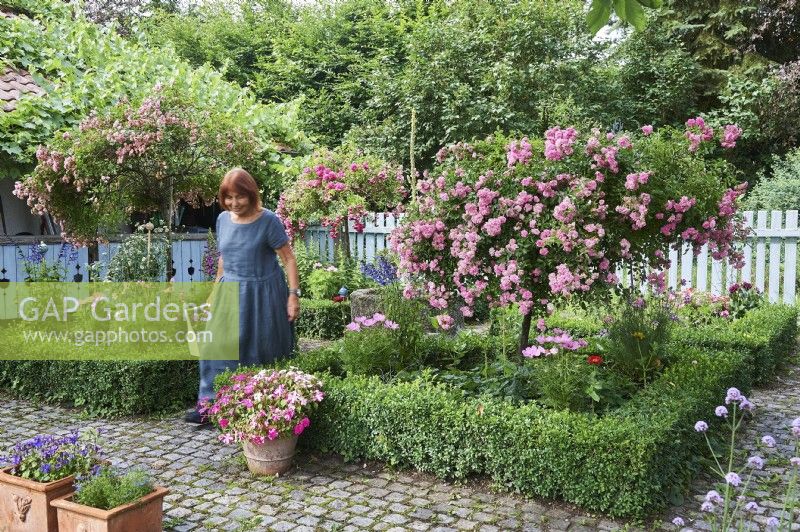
(776, 407)
(212, 490)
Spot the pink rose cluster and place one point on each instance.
(698, 132)
(553, 225)
(376, 320)
(332, 194)
(265, 405)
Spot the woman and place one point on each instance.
(250, 239)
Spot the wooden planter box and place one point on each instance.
(143, 515)
(25, 504)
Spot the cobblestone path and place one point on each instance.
(776, 407)
(212, 490)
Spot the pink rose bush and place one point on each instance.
(336, 188)
(96, 176)
(266, 405)
(527, 222)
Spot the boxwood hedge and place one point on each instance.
(104, 388)
(627, 463)
(322, 318)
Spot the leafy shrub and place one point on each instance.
(141, 257)
(465, 350)
(324, 282)
(322, 318)
(105, 388)
(567, 381)
(408, 314)
(500, 379)
(637, 338)
(109, 489)
(781, 190)
(371, 347)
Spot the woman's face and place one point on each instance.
(237, 203)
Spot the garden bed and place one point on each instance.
(630, 462)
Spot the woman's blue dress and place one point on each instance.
(249, 258)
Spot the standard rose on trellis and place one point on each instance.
(527, 222)
(139, 157)
(340, 186)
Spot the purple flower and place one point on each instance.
(769, 441)
(678, 521)
(713, 496)
(733, 395)
(756, 462)
(795, 461)
(721, 411)
(796, 428)
(746, 405)
(382, 271)
(751, 507)
(773, 522)
(733, 479)
(707, 507)
(701, 426)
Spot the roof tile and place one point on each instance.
(13, 84)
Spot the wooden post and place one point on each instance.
(412, 178)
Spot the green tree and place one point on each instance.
(85, 68)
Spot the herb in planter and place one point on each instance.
(46, 458)
(109, 489)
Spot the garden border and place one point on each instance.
(629, 463)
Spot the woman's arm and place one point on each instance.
(219, 270)
(290, 265)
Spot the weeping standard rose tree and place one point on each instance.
(336, 187)
(530, 222)
(140, 157)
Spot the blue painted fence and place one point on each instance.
(187, 256)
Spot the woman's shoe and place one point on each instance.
(193, 416)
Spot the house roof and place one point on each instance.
(14, 82)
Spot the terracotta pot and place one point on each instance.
(143, 515)
(25, 504)
(271, 457)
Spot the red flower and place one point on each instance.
(338, 299)
(595, 360)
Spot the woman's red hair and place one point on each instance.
(240, 181)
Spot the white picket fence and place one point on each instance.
(770, 255)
